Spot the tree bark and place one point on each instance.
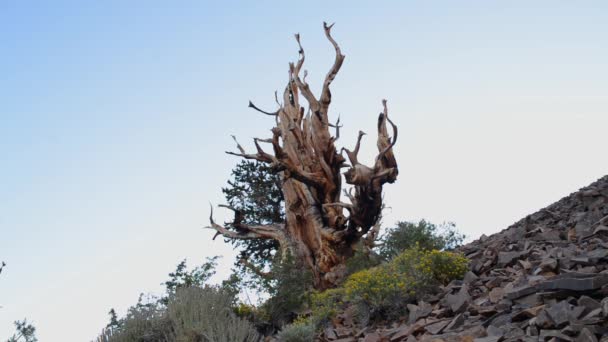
(316, 230)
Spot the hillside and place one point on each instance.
(544, 278)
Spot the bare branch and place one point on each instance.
(383, 134)
(346, 206)
(372, 235)
(301, 84)
(247, 232)
(352, 156)
(325, 93)
(251, 105)
(305, 177)
(261, 156)
(255, 269)
(337, 126)
(301, 58)
(349, 195)
(238, 145)
(276, 99)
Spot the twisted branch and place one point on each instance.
(244, 231)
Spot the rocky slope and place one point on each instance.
(545, 278)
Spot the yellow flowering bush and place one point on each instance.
(429, 268)
(326, 304)
(243, 310)
(385, 289)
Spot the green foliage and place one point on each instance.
(196, 277)
(297, 332)
(114, 323)
(255, 190)
(191, 314)
(245, 311)
(146, 321)
(382, 292)
(385, 289)
(192, 310)
(325, 305)
(362, 259)
(423, 234)
(289, 291)
(205, 314)
(26, 332)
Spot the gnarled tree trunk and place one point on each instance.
(316, 230)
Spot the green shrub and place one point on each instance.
(205, 314)
(363, 258)
(245, 311)
(423, 234)
(144, 322)
(325, 305)
(385, 290)
(297, 332)
(191, 314)
(379, 290)
(26, 332)
(289, 292)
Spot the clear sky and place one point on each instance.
(114, 116)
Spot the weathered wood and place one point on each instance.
(316, 230)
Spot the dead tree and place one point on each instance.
(320, 229)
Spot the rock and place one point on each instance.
(521, 291)
(416, 312)
(497, 294)
(559, 313)
(470, 277)
(506, 258)
(404, 331)
(588, 303)
(489, 339)
(437, 327)
(576, 312)
(460, 300)
(527, 313)
(468, 335)
(574, 328)
(604, 305)
(494, 282)
(600, 229)
(343, 332)
(494, 331)
(543, 320)
(548, 264)
(593, 314)
(513, 332)
(532, 330)
(580, 261)
(554, 333)
(586, 336)
(597, 254)
(529, 300)
(575, 282)
(372, 337)
(456, 323)
(330, 334)
(525, 264)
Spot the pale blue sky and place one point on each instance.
(114, 116)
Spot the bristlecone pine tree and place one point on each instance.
(316, 231)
